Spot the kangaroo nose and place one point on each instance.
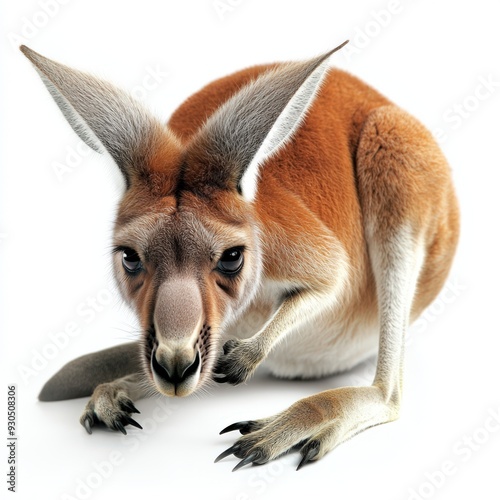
(174, 372)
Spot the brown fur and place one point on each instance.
(315, 180)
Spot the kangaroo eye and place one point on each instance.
(131, 261)
(231, 261)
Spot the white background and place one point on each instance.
(429, 57)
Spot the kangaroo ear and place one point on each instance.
(252, 125)
(105, 117)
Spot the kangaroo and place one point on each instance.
(287, 213)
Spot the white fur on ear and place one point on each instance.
(74, 119)
(283, 129)
(104, 117)
(253, 124)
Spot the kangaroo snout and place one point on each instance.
(175, 374)
(178, 318)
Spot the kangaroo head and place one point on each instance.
(189, 255)
(188, 264)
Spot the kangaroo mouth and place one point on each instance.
(174, 380)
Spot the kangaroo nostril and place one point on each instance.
(191, 369)
(180, 371)
(160, 370)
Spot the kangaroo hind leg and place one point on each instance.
(402, 183)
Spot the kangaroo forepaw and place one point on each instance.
(239, 361)
(111, 407)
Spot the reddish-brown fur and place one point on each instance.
(314, 178)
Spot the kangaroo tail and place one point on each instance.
(80, 377)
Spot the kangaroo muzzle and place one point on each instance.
(178, 320)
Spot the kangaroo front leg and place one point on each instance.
(321, 422)
(112, 403)
(242, 357)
